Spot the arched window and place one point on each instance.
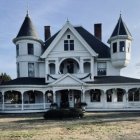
(95, 95)
(52, 68)
(87, 67)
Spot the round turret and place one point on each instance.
(28, 49)
(120, 43)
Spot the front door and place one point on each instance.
(64, 99)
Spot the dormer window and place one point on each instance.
(30, 49)
(122, 46)
(68, 45)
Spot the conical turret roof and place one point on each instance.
(27, 29)
(120, 29)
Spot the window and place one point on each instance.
(18, 70)
(30, 49)
(115, 47)
(68, 45)
(87, 67)
(68, 36)
(101, 68)
(134, 96)
(31, 72)
(52, 68)
(17, 49)
(95, 95)
(122, 46)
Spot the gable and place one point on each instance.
(59, 36)
(79, 48)
(67, 79)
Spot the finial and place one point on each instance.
(67, 20)
(120, 13)
(27, 9)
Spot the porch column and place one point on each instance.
(92, 68)
(2, 100)
(44, 100)
(54, 96)
(56, 66)
(81, 65)
(126, 99)
(47, 69)
(22, 106)
(83, 95)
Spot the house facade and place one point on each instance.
(70, 67)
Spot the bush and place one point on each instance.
(63, 114)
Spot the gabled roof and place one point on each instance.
(57, 37)
(27, 29)
(67, 79)
(99, 47)
(120, 29)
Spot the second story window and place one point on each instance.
(68, 45)
(17, 49)
(18, 70)
(115, 47)
(30, 49)
(101, 68)
(31, 72)
(122, 46)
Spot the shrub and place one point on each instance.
(63, 114)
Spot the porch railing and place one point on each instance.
(36, 106)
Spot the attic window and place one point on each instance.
(68, 45)
(68, 36)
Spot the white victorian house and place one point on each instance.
(70, 67)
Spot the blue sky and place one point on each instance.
(55, 14)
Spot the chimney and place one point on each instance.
(98, 31)
(47, 32)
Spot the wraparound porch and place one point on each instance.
(114, 99)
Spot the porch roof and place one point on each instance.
(26, 81)
(97, 80)
(113, 79)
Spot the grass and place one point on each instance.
(94, 126)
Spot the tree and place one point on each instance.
(4, 77)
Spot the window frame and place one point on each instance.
(101, 71)
(30, 48)
(29, 70)
(122, 46)
(17, 49)
(114, 47)
(69, 45)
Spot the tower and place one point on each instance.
(28, 49)
(120, 44)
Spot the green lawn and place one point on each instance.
(94, 126)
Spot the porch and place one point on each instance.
(115, 99)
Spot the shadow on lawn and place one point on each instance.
(36, 121)
(89, 117)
